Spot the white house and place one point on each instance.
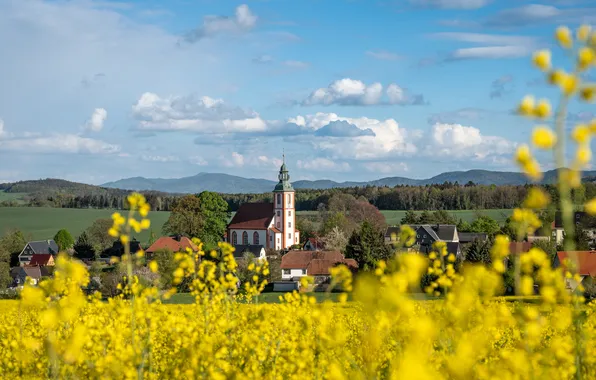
(272, 225)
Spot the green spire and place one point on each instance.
(284, 178)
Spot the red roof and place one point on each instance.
(517, 247)
(301, 259)
(584, 260)
(166, 242)
(40, 259)
(319, 267)
(275, 230)
(253, 216)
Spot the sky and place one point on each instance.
(95, 91)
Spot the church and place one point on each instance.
(272, 225)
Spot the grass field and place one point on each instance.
(17, 197)
(40, 223)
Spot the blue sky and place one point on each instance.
(95, 91)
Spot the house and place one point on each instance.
(42, 260)
(580, 218)
(519, 247)
(258, 251)
(41, 247)
(297, 264)
(172, 243)
(584, 263)
(468, 237)
(35, 273)
(272, 225)
(392, 234)
(427, 235)
(117, 249)
(314, 244)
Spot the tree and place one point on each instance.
(11, 245)
(463, 226)
(410, 218)
(425, 217)
(97, 235)
(362, 211)
(242, 271)
(367, 246)
(335, 240)
(442, 217)
(485, 224)
(341, 203)
(306, 227)
(214, 217)
(478, 252)
(64, 240)
(166, 265)
(186, 217)
(337, 219)
(5, 279)
(548, 246)
(83, 248)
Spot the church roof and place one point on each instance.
(253, 216)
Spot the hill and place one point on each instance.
(229, 184)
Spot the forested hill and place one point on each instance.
(228, 184)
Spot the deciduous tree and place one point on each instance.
(367, 246)
(186, 217)
(64, 240)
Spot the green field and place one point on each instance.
(16, 197)
(40, 223)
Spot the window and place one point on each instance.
(304, 271)
(277, 240)
(289, 199)
(245, 238)
(289, 213)
(270, 237)
(255, 238)
(286, 271)
(278, 213)
(278, 199)
(278, 225)
(234, 238)
(289, 224)
(290, 236)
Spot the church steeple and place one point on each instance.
(284, 178)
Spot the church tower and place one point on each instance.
(284, 207)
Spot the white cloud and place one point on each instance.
(98, 117)
(233, 160)
(451, 4)
(296, 64)
(243, 21)
(2, 131)
(388, 139)
(198, 160)
(494, 46)
(159, 158)
(59, 143)
(458, 141)
(386, 167)
(204, 114)
(383, 55)
(323, 164)
(355, 92)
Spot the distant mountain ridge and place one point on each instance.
(229, 184)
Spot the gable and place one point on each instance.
(253, 216)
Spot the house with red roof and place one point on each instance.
(41, 260)
(296, 264)
(580, 262)
(171, 243)
(272, 225)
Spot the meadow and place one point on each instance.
(40, 223)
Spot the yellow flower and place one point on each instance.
(113, 232)
(526, 286)
(581, 134)
(542, 59)
(587, 94)
(583, 32)
(563, 36)
(124, 239)
(153, 266)
(543, 109)
(536, 198)
(583, 155)
(526, 107)
(590, 206)
(556, 76)
(145, 224)
(523, 155)
(568, 84)
(585, 57)
(544, 138)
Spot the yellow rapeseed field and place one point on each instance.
(56, 331)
